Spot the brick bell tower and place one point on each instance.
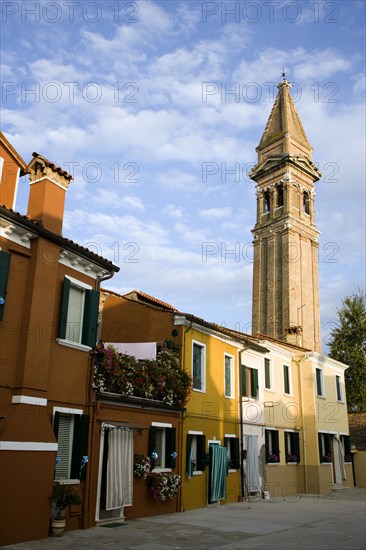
(285, 271)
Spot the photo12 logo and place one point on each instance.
(270, 11)
(69, 11)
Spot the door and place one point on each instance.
(218, 470)
(115, 482)
(339, 472)
(251, 465)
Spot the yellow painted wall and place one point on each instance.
(209, 412)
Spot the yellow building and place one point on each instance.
(210, 446)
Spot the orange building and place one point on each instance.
(49, 296)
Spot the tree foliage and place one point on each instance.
(348, 345)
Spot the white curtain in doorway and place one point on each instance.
(339, 467)
(119, 469)
(252, 463)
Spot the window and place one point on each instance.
(346, 444)
(306, 202)
(71, 431)
(267, 201)
(4, 273)
(229, 376)
(319, 382)
(198, 367)
(162, 447)
(292, 447)
(79, 313)
(268, 374)
(286, 379)
(196, 454)
(339, 389)
(325, 448)
(272, 447)
(233, 453)
(279, 195)
(249, 382)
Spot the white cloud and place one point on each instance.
(216, 213)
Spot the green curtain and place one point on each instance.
(219, 467)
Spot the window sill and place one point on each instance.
(197, 473)
(292, 463)
(341, 402)
(161, 470)
(269, 389)
(232, 471)
(200, 391)
(67, 481)
(326, 463)
(273, 463)
(321, 396)
(73, 345)
(229, 396)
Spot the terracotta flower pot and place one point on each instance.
(57, 527)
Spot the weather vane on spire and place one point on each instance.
(283, 74)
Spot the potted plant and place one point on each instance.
(62, 497)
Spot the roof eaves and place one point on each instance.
(38, 228)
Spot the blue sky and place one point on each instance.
(157, 107)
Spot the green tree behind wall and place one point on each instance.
(348, 345)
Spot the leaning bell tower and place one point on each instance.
(285, 271)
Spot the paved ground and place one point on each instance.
(304, 522)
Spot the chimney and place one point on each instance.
(48, 186)
(11, 167)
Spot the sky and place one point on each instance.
(156, 108)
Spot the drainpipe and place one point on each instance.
(102, 279)
(183, 416)
(90, 408)
(241, 430)
(303, 423)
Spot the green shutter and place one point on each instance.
(56, 422)
(90, 320)
(235, 454)
(254, 382)
(79, 445)
(296, 445)
(152, 443)
(4, 273)
(201, 453)
(267, 444)
(321, 452)
(64, 308)
(189, 470)
(243, 380)
(170, 447)
(276, 447)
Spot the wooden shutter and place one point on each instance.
(267, 436)
(243, 380)
(254, 382)
(275, 443)
(152, 443)
(235, 453)
(4, 273)
(90, 319)
(170, 447)
(64, 308)
(79, 445)
(296, 445)
(188, 454)
(201, 453)
(320, 444)
(62, 429)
